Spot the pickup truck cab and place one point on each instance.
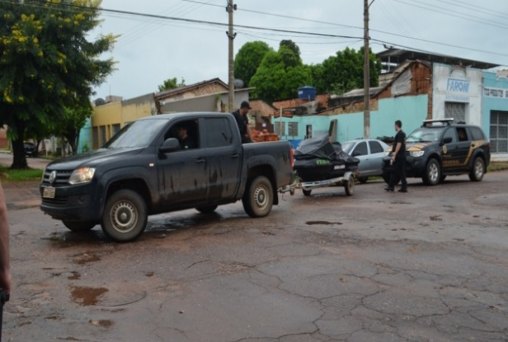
(160, 164)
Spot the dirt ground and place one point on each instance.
(429, 265)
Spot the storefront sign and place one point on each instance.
(457, 90)
(496, 92)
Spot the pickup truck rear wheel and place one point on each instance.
(258, 199)
(125, 216)
(79, 226)
(207, 210)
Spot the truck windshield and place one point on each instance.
(425, 135)
(136, 134)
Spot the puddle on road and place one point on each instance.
(103, 323)
(323, 223)
(85, 258)
(87, 296)
(74, 276)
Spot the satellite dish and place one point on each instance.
(239, 84)
(99, 102)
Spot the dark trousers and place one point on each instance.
(398, 172)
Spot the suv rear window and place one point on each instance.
(476, 133)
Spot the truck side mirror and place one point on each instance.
(170, 145)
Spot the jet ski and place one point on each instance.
(318, 159)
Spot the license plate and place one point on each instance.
(339, 167)
(48, 192)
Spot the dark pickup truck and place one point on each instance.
(165, 163)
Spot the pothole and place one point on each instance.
(323, 223)
(87, 296)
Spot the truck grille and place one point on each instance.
(55, 201)
(62, 177)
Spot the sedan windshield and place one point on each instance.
(425, 135)
(137, 134)
(348, 146)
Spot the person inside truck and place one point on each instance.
(186, 142)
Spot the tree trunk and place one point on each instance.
(72, 139)
(18, 151)
(37, 145)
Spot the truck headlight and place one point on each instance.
(417, 154)
(82, 175)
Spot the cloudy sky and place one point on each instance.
(151, 50)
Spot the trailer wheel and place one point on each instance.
(349, 186)
(258, 199)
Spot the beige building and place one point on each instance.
(112, 114)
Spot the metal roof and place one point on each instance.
(398, 56)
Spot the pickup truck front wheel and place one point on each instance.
(125, 216)
(258, 199)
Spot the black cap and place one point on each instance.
(245, 104)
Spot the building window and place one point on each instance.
(102, 135)
(499, 131)
(456, 111)
(293, 129)
(95, 134)
(115, 129)
(280, 128)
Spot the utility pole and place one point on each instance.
(366, 70)
(231, 63)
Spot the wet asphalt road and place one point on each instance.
(430, 265)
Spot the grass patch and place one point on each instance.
(498, 166)
(12, 175)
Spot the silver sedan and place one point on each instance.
(370, 152)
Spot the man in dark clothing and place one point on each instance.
(243, 121)
(186, 142)
(398, 160)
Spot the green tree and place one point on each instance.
(171, 83)
(74, 119)
(344, 71)
(280, 74)
(47, 64)
(248, 59)
(291, 45)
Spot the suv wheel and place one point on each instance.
(432, 174)
(477, 170)
(258, 199)
(125, 216)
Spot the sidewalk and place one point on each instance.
(35, 163)
(22, 195)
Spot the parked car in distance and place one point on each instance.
(152, 167)
(29, 149)
(440, 148)
(371, 153)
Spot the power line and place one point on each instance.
(361, 28)
(187, 20)
(74, 8)
(452, 13)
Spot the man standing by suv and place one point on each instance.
(243, 122)
(398, 160)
